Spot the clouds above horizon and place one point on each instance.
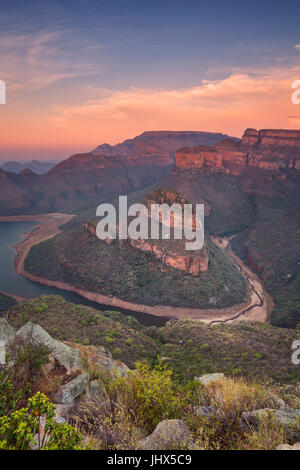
(243, 99)
(82, 73)
(33, 61)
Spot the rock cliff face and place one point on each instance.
(269, 150)
(170, 252)
(194, 265)
(267, 137)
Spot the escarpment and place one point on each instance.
(270, 150)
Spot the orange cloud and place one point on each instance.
(229, 105)
(243, 99)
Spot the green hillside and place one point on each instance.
(81, 259)
(273, 248)
(188, 347)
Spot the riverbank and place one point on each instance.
(49, 227)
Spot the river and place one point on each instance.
(12, 233)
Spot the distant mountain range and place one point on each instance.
(35, 166)
(90, 178)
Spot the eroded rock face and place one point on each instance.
(194, 265)
(275, 137)
(269, 150)
(168, 434)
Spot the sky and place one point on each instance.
(82, 73)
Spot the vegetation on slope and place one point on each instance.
(189, 347)
(242, 349)
(273, 248)
(81, 259)
(123, 336)
(236, 202)
(6, 302)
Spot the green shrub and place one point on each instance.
(23, 430)
(147, 394)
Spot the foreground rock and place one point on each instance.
(296, 446)
(168, 434)
(95, 392)
(209, 378)
(99, 360)
(7, 332)
(289, 419)
(66, 356)
(73, 389)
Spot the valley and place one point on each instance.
(49, 227)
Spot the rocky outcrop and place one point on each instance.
(269, 150)
(170, 254)
(191, 264)
(271, 137)
(66, 356)
(168, 434)
(95, 391)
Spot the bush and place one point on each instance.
(10, 399)
(229, 399)
(30, 357)
(148, 395)
(34, 427)
(268, 436)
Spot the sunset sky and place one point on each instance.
(81, 73)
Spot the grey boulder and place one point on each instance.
(65, 355)
(168, 434)
(289, 419)
(72, 390)
(209, 378)
(7, 332)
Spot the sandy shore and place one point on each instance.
(50, 227)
